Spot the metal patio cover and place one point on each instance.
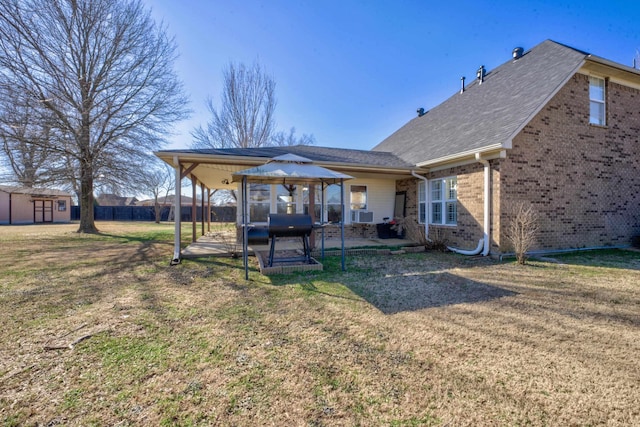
(290, 169)
(287, 169)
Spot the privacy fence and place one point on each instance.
(147, 213)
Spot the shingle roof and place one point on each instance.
(33, 191)
(489, 113)
(312, 152)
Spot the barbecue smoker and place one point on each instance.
(292, 225)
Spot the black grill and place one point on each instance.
(293, 225)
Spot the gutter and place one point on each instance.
(463, 154)
(426, 192)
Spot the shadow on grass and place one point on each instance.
(417, 291)
(410, 287)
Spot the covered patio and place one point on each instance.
(212, 245)
(368, 200)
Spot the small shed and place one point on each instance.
(24, 205)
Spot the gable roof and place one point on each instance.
(115, 200)
(312, 152)
(41, 192)
(487, 116)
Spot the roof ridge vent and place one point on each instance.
(517, 53)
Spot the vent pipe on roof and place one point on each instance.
(462, 84)
(517, 53)
(481, 73)
(421, 112)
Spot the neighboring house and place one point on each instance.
(23, 205)
(166, 201)
(115, 200)
(553, 127)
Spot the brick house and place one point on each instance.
(553, 127)
(559, 128)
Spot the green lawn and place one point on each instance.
(401, 340)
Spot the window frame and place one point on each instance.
(366, 197)
(441, 202)
(259, 202)
(336, 206)
(600, 101)
(304, 202)
(422, 202)
(289, 205)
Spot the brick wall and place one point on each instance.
(583, 180)
(469, 228)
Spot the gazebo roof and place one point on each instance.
(290, 169)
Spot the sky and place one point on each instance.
(352, 72)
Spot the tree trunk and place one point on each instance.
(87, 223)
(156, 207)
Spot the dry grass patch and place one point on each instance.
(416, 339)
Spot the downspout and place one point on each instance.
(483, 244)
(487, 202)
(426, 192)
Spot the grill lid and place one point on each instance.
(289, 225)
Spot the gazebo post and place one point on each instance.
(342, 222)
(322, 216)
(177, 214)
(245, 254)
(202, 206)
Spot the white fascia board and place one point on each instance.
(616, 73)
(186, 157)
(462, 156)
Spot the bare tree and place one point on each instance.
(158, 181)
(103, 70)
(29, 162)
(283, 139)
(245, 118)
(522, 230)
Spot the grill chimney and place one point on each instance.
(462, 84)
(481, 73)
(517, 53)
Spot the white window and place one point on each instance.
(259, 202)
(597, 111)
(286, 199)
(317, 200)
(422, 203)
(62, 205)
(444, 201)
(358, 197)
(334, 206)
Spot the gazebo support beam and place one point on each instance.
(194, 211)
(202, 206)
(177, 199)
